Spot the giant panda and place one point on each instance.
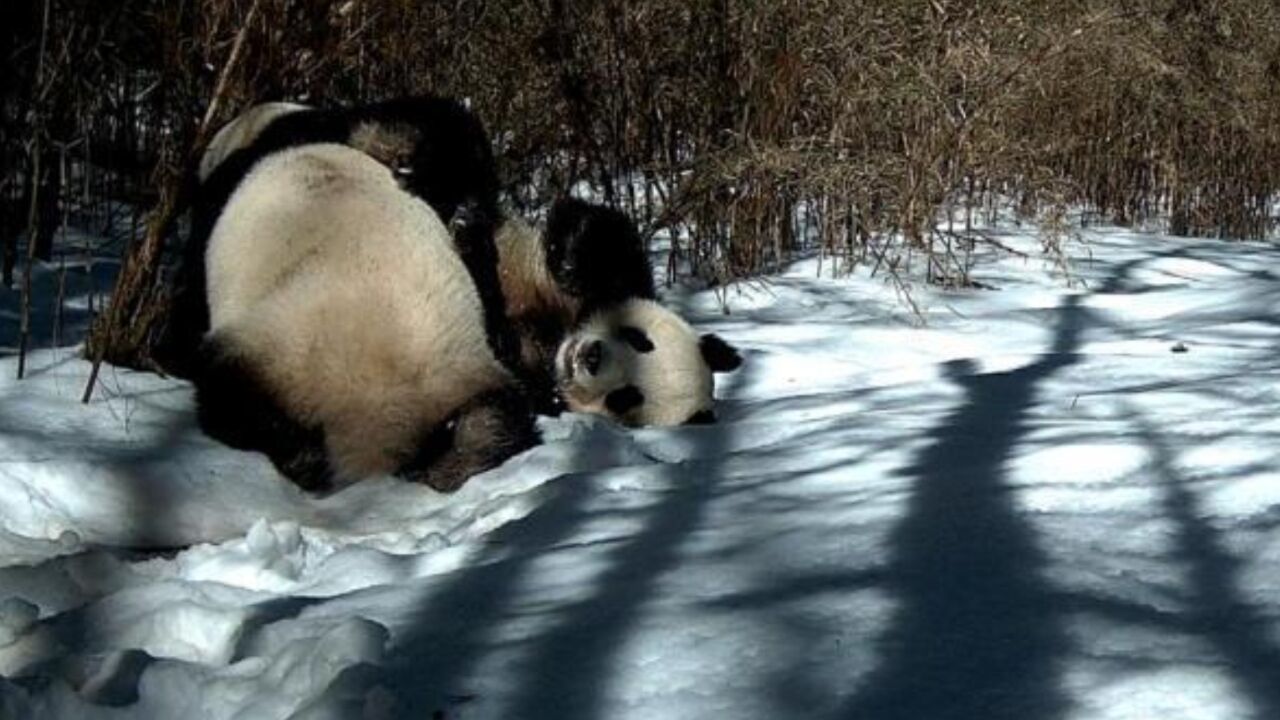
(346, 336)
(436, 149)
(592, 336)
(579, 298)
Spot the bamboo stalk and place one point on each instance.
(137, 275)
(33, 215)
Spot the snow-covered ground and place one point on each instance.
(1048, 503)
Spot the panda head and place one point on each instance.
(641, 364)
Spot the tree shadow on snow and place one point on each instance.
(564, 670)
(144, 472)
(460, 623)
(569, 668)
(977, 633)
(82, 286)
(1232, 625)
(141, 471)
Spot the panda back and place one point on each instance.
(347, 294)
(241, 132)
(326, 213)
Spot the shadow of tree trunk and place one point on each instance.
(458, 627)
(1235, 627)
(571, 666)
(976, 634)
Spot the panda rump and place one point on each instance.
(437, 149)
(341, 312)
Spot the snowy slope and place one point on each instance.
(1031, 508)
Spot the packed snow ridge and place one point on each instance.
(1049, 501)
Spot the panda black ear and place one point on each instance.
(566, 215)
(595, 253)
(720, 355)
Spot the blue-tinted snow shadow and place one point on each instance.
(144, 469)
(458, 626)
(568, 672)
(1218, 612)
(82, 286)
(977, 633)
(150, 532)
(564, 670)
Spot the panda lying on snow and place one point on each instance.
(350, 333)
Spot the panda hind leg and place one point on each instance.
(177, 346)
(484, 433)
(234, 406)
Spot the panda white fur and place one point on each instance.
(592, 336)
(435, 148)
(579, 297)
(347, 337)
(241, 132)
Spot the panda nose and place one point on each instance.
(593, 356)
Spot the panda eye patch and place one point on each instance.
(622, 400)
(636, 338)
(702, 417)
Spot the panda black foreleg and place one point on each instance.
(234, 406)
(473, 230)
(483, 434)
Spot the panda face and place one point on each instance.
(641, 364)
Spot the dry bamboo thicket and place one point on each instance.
(878, 131)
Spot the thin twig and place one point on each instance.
(33, 214)
(139, 270)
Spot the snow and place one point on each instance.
(1033, 505)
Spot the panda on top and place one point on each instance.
(364, 316)
(436, 149)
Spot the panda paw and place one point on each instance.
(482, 435)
